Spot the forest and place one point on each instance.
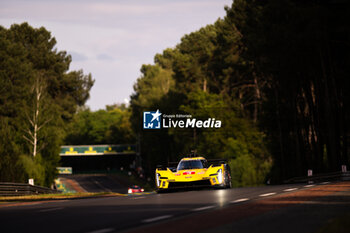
(275, 72)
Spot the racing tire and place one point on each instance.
(228, 182)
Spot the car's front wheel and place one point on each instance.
(228, 182)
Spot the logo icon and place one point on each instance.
(151, 120)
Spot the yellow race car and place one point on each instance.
(194, 172)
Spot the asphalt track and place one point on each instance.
(99, 183)
(283, 208)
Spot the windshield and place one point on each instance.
(192, 164)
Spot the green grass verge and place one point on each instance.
(60, 196)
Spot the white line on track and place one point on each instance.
(239, 200)
(204, 208)
(156, 218)
(290, 189)
(325, 182)
(309, 185)
(266, 194)
(52, 209)
(105, 230)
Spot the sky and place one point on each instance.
(112, 39)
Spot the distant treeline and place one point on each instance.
(275, 72)
(105, 126)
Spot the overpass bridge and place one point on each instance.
(98, 150)
(99, 158)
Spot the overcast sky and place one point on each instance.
(112, 39)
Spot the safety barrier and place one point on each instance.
(18, 189)
(332, 176)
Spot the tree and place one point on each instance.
(38, 96)
(238, 140)
(35, 114)
(301, 47)
(110, 126)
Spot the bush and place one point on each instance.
(247, 168)
(33, 168)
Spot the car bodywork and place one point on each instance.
(194, 172)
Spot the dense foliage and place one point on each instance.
(195, 80)
(275, 72)
(110, 126)
(38, 97)
(301, 49)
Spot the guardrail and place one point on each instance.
(320, 177)
(18, 189)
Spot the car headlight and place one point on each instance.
(129, 190)
(220, 176)
(157, 180)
